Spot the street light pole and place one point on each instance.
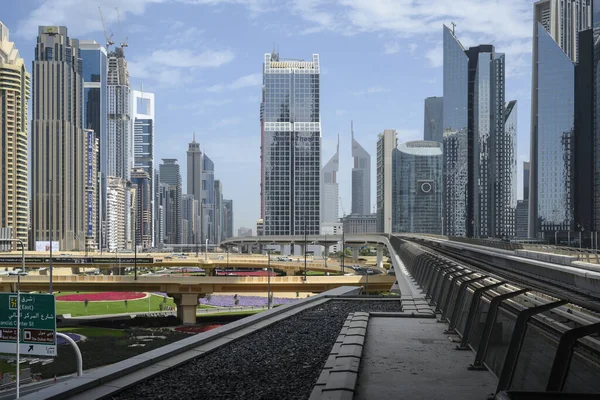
(343, 248)
(19, 308)
(305, 248)
(326, 250)
(269, 279)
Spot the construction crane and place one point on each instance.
(123, 43)
(342, 207)
(109, 41)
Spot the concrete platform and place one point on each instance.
(411, 358)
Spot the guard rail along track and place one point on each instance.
(532, 340)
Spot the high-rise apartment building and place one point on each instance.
(290, 146)
(361, 178)
(119, 127)
(115, 210)
(142, 116)
(473, 103)
(330, 191)
(433, 128)
(522, 210)
(58, 141)
(15, 83)
(170, 175)
(417, 188)
(386, 144)
(95, 70)
(142, 227)
(556, 29)
(92, 190)
(227, 218)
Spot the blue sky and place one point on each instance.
(203, 61)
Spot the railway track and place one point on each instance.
(544, 285)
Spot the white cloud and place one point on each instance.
(242, 82)
(406, 135)
(185, 58)
(80, 16)
(391, 48)
(372, 90)
(435, 56)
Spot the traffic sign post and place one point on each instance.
(37, 321)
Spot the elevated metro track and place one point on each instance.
(575, 284)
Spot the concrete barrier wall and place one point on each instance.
(547, 257)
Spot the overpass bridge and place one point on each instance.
(186, 290)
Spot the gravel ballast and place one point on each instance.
(282, 361)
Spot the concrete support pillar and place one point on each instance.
(302, 249)
(379, 256)
(186, 307)
(249, 248)
(240, 249)
(355, 253)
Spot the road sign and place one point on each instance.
(38, 324)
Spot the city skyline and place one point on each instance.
(213, 85)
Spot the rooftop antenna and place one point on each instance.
(123, 43)
(453, 27)
(109, 41)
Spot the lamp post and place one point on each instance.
(305, 248)
(19, 273)
(343, 248)
(269, 279)
(206, 250)
(326, 250)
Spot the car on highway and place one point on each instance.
(284, 258)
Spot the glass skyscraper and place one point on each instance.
(433, 128)
(557, 24)
(455, 120)
(330, 191)
(290, 146)
(417, 193)
(95, 71)
(361, 178)
(474, 103)
(554, 150)
(170, 176)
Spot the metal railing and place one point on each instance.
(529, 340)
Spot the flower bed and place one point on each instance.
(106, 296)
(244, 301)
(74, 336)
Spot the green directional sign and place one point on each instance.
(37, 324)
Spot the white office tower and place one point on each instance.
(290, 146)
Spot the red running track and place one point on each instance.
(106, 296)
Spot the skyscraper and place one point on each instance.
(386, 144)
(330, 191)
(195, 163)
(218, 212)
(526, 180)
(433, 128)
(361, 178)
(189, 218)
(95, 70)
(455, 182)
(556, 28)
(417, 187)
(120, 138)
(169, 175)
(207, 204)
(58, 141)
(143, 141)
(15, 84)
(115, 210)
(474, 102)
(228, 218)
(290, 146)
(142, 228)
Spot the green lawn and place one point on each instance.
(93, 332)
(6, 367)
(77, 308)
